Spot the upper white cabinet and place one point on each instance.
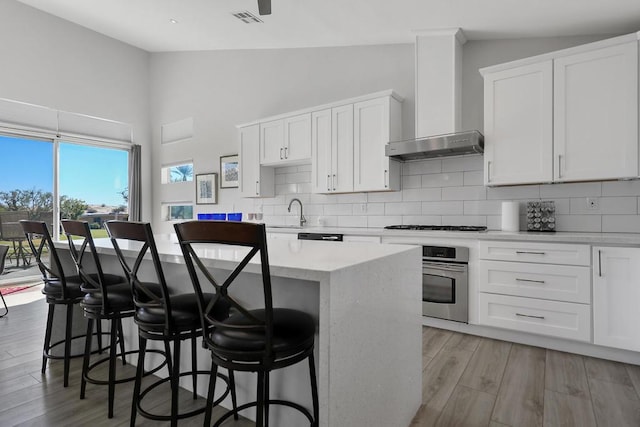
(375, 122)
(518, 126)
(332, 150)
(285, 141)
(596, 114)
(254, 180)
(565, 116)
(616, 272)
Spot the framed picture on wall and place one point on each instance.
(229, 171)
(207, 189)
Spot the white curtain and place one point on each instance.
(135, 186)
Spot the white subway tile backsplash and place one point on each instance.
(464, 193)
(579, 223)
(450, 191)
(382, 221)
(621, 188)
(443, 208)
(473, 178)
(472, 162)
(483, 207)
(578, 189)
(420, 167)
(338, 209)
(606, 206)
(519, 192)
(411, 181)
(621, 223)
(421, 194)
(422, 219)
(451, 179)
(403, 208)
(352, 221)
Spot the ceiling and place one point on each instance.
(209, 24)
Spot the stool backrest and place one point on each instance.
(92, 276)
(143, 295)
(41, 246)
(3, 255)
(192, 235)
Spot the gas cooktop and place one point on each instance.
(438, 227)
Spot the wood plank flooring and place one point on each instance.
(467, 381)
(29, 398)
(473, 381)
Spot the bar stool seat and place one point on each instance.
(184, 311)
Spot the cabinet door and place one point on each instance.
(342, 149)
(248, 181)
(596, 114)
(370, 134)
(518, 125)
(254, 180)
(321, 151)
(616, 294)
(271, 142)
(297, 137)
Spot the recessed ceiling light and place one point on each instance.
(173, 21)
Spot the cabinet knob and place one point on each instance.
(328, 182)
(286, 152)
(280, 153)
(333, 182)
(386, 178)
(257, 188)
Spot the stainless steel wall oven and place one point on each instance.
(445, 287)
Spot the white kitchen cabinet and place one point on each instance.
(518, 126)
(616, 296)
(596, 114)
(285, 141)
(541, 288)
(253, 180)
(376, 122)
(332, 147)
(564, 116)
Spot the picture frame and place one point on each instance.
(207, 189)
(229, 171)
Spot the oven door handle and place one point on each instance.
(445, 267)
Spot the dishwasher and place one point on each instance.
(329, 237)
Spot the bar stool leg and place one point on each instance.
(314, 390)
(266, 398)
(260, 401)
(175, 381)
(232, 385)
(121, 334)
(67, 344)
(99, 334)
(112, 364)
(47, 337)
(212, 389)
(142, 346)
(194, 365)
(85, 359)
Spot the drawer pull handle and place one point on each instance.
(529, 280)
(530, 252)
(528, 315)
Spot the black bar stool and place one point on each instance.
(161, 316)
(59, 289)
(252, 340)
(107, 297)
(3, 254)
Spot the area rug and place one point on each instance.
(6, 290)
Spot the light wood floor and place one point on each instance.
(29, 398)
(473, 381)
(467, 381)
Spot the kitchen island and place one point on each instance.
(366, 299)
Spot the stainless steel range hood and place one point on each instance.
(452, 144)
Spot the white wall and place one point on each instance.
(221, 89)
(58, 64)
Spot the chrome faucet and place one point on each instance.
(302, 218)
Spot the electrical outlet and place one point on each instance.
(592, 203)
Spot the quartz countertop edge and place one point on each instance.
(299, 259)
(557, 237)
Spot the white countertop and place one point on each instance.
(626, 239)
(287, 258)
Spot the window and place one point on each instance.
(182, 172)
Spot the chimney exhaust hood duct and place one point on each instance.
(438, 97)
(452, 144)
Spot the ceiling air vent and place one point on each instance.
(247, 17)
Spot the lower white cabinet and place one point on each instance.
(616, 297)
(553, 318)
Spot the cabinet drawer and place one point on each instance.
(553, 318)
(554, 282)
(544, 253)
